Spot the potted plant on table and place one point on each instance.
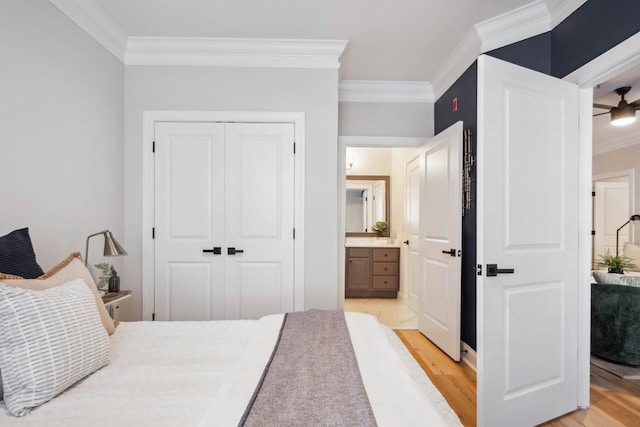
(615, 263)
(109, 277)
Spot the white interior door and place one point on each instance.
(189, 217)
(440, 240)
(527, 201)
(259, 219)
(412, 225)
(224, 215)
(611, 210)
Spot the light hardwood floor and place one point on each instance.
(614, 402)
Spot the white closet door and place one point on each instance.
(189, 217)
(259, 219)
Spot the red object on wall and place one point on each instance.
(454, 105)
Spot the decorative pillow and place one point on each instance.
(49, 340)
(17, 256)
(632, 251)
(604, 278)
(71, 268)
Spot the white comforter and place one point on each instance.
(203, 373)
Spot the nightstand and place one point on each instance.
(112, 302)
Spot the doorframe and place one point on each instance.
(616, 60)
(149, 119)
(360, 141)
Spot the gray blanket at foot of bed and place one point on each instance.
(312, 378)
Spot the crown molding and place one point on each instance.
(457, 63)
(382, 141)
(563, 10)
(89, 16)
(617, 144)
(385, 91)
(518, 24)
(228, 52)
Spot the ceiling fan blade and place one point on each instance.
(635, 104)
(604, 107)
(600, 114)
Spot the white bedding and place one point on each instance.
(190, 373)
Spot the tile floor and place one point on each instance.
(389, 311)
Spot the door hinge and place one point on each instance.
(479, 270)
(153, 233)
(153, 316)
(593, 232)
(294, 233)
(294, 148)
(593, 194)
(153, 147)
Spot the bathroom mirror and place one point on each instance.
(368, 199)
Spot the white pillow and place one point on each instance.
(49, 340)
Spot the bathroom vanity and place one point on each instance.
(372, 271)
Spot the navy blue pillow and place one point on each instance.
(17, 256)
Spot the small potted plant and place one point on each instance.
(109, 277)
(382, 228)
(616, 264)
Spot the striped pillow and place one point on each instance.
(49, 340)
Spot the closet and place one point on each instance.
(223, 220)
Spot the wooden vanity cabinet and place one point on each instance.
(372, 272)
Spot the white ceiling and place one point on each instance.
(388, 39)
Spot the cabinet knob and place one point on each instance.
(386, 255)
(385, 269)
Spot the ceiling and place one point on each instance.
(388, 39)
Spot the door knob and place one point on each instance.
(217, 250)
(233, 251)
(451, 252)
(493, 270)
(406, 242)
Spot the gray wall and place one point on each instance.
(386, 119)
(61, 115)
(314, 92)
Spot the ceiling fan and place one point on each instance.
(625, 113)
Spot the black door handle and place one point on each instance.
(493, 270)
(217, 250)
(406, 242)
(451, 252)
(233, 251)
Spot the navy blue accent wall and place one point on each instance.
(594, 28)
(533, 53)
(466, 90)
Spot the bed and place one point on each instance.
(63, 363)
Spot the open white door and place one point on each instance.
(440, 240)
(527, 201)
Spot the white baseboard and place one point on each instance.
(469, 356)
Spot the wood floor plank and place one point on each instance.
(615, 402)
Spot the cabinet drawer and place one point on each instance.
(386, 254)
(358, 252)
(385, 282)
(385, 268)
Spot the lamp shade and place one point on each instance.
(111, 246)
(623, 114)
(634, 218)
